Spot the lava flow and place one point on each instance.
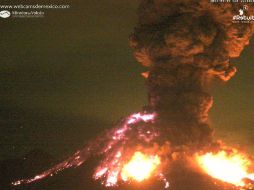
(140, 167)
(125, 159)
(231, 167)
(184, 45)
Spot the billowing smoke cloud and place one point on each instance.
(184, 43)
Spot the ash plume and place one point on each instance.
(185, 43)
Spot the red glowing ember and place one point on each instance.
(228, 167)
(140, 167)
(183, 44)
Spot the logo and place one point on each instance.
(243, 16)
(241, 12)
(5, 14)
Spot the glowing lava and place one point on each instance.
(228, 167)
(140, 167)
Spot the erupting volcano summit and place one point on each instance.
(184, 44)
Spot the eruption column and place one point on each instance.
(183, 43)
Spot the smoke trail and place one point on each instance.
(184, 43)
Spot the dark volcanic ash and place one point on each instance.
(184, 44)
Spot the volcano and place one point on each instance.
(185, 45)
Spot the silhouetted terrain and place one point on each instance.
(181, 177)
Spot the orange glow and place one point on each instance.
(140, 167)
(231, 168)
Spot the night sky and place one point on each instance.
(68, 76)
